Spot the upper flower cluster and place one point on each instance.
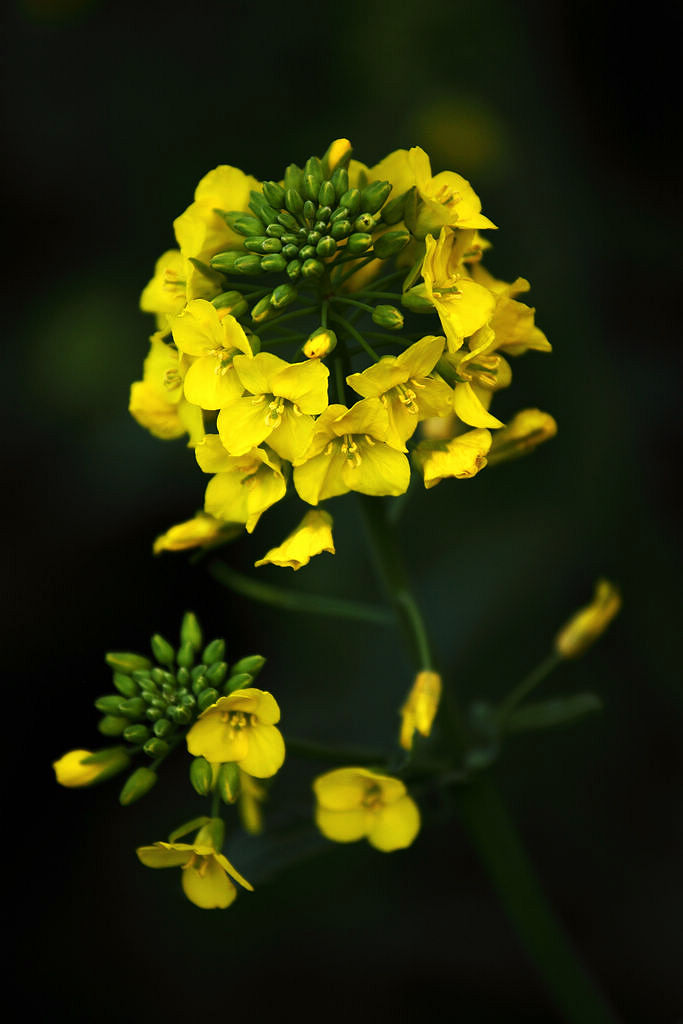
(267, 273)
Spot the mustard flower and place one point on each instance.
(279, 405)
(463, 305)
(590, 622)
(240, 728)
(461, 457)
(210, 337)
(157, 401)
(420, 708)
(356, 803)
(405, 388)
(311, 537)
(527, 429)
(165, 295)
(243, 486)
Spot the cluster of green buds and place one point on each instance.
(159, 698)
(299, 226)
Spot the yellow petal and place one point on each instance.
(304, 384)
(311, 537)
(343, 789)
(211, 385)
(193, 533)
(321, 477)
(461, 457)
(590, 622)
(395, 825)
(212, 456)
(226, 497)
(165, 855)
(292, 437)
(381, 470)
(216, 740)
(266, 752)
(342, 826)
(470, 410)
(231, 870)
(257, 702)
(244, 424)
(207, 885)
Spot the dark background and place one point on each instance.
(562, 117)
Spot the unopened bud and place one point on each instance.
(262, 310)
(337, 156)
(201, 775)
(524, 432)
(284, 295)
(215, 651)
(109, 705)
(392, 212)
(312, 269)
(238, 681)
(340, 180)
(186, 655)
(359, 242)
(273, 263)
(293, 269)
(373, 196)
(351, 200)
(243, 224)
(416, 302)
(136, 734)
(206, 698)
(112, 725)
(252, 664)
(326, 247)
(388, 316)
(125, 685)
(326, 194)
(137, 785)
(156, 747)
(320, 343)
(228, 782)
(274, 194)
(124, 661)
(162, 650)
(225, 261)
(589, 623)
(232, 302)
(247, 263)
(83, 768)
(390, 243)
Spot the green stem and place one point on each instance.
(534, 679)
(355, 334)
(353, 302)
(287, 316)
(295, 601)
(335, 755)
(495, 839)
(350, 273)
(215, 803)
(380, 281)
(396, 296)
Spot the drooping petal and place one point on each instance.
(266, 487)
(311, 537)
(266, 751)
(232, 870)
(394, 826)
(470, 410)
(165, 855)
(226, 497)
(207, 885)
(343, 789)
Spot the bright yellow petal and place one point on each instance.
(311, 537)
(217, 740)
(321, 477)
(70, 770)
(342, 826)
(381, 470)
(257, 373)
(395, 825)
(244, 424)
(256, 702)
(420, 358)
(291, 439)
(266, 752)
(226, 497)
(304, 384)
(165, 855)
(470, 410)
(193, 533)
(343, 789)
(212, 456)
(264, 489)
(207, 885)
(211, 385)
(154, 413)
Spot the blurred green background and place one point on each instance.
(561, 116)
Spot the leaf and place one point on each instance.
(549, 713)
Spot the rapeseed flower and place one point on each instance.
(420, 708)
(461, 457)
(209, 338)
(356, 803)
(463, 304)
(241, 728)
(157, 401)
(244, 486)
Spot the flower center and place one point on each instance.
(223, 357)
(372, 800)
(237, 720)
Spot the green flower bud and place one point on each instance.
(312, 269)
(238, 681)
(359, 242)
(184, 677)
(293, 269)
(162, 650)
(262, 244)
(162, 727)
(108, 705)
(225, 261)
(187, 700)
(390, 243)
(416, 302)
(215, 651)
(157, 675)
(293, 177)
(284, 295)
(124, 661)
(307, 252)
(233, 302)
(159, 702)
(341, 229)
(228, 782)
(134, 707)
(324, 213)
(294, 202)
(201, 776)
(198, 671)
(274, 194)
(313, 168)
(388, 316)
(112, 725)
(351, 200)
(309, 212)
(313, 237)
(273, 263)
(263, 210)
(136, 733)
(217, 673)
(392, 212)
(125, 685)
(110, 760)
(290, 251)
(137, 784)
(156, 747)
(375, 195)
(262, 310)
(154, 714)
(243, 224)
(340, 180)
(253, 663)
(326, 247)
(186, 655)
(206, 698)
(326, 194)
(275, 230)
(341, 213)
(288, 222)
(168, 691)
(247, 263)
(148, 696)
(364, 222)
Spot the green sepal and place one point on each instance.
(225, 261)
(189, 826)
(136, 734)
(284, 295)
(375, 195)
(274, 194)
(124, 661)
(313, 175)
(262, 310)
(117, 760)
(112, 725)
(228, 782)
(290, 250)
(242, 223)
(137, 785)
(215, 651)
(327, 195)
(549, 713)
(206, 271)
(341, 213)
(238, 681)
(181, 716)
(234, 302)
(388, 316)
(294, 269)
(184, 677)
(309, 212)
(275, 230)
(324, 213)
(211, 834)
(154, 714)
(341, 229)
(294, 202)
(263, 210)
(157, 675)
(252, 664)
(206, 698)
(247, 263)
(188, 700)
(359, 242)
(390, 243)
(351, 200)
(410, 205)
(125, 685)
(307, 252)
(133, 707)
(201, 776)
(273, 263)
(313, 237)
(108, 705)
(287, 221)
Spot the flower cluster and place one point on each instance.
(271, 315)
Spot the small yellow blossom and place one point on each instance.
(244, 486)
(206, 872)
(83, 767)
(406, 390)
(525, 431)
(279, 407)
(463, 305)
(590, 622)
(512, 322)
(199, 532)
(356, 803)
(157, 401)
(336, 152)
(240, 728)
(201, 232)
(211, 338)
(462, 457)
(165, 294)
(420, 708)
(312, 536)
(446, 198)
(349, 452)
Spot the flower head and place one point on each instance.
(356, 803)
(241, 728)
(244, 486)
(210, 337)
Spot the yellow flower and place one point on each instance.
(447, 198)
(83, 768)
(157, 401)
(462, 457)
(512, 322)
(241, 728)
(420, 708)
(480, 371)
(281, 400)
(211, 337)
(463, 305)
(201, 232)
(524, 432)
(206, 872)
(252, 795)
(244, 486)
(356, 803)
(405, 389)
(199, 532)
(165, 293)
(312, 536)
(589, 623)
(349, 453)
